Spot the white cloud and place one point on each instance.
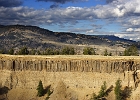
(137, 30)
(120, 35)
(129, 30)
(124, 12)
(134, 21)
(72, 14)
(135, 37)
(89, 31)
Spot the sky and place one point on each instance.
(91, 17)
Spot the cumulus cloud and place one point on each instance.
(133, 30)
(131, 36)
(10, 3)
(124, 12)
(20, 15)
(129, 30)
(90, 31)
(71, 14)
(135, 21)
(137, 30)
(25, 15)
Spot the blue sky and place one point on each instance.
(92, 17)
(44, 5)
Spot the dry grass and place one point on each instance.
(82, 57)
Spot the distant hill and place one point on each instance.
(17, 36)
(32, 36)
(115, 38)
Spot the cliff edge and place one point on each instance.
(79, 76)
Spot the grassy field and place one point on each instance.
(84, 57)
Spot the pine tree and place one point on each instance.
(23, 51)
(131, 51)
(68, 51)
(88, 51)
(102, 92)
(11, 51)
(117, 90)
(105, 52)
(32, 52)
(40, 89)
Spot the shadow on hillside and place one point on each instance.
(47, 91)
(4, 90)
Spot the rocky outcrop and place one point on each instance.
(26, 63)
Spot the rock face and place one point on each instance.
(71, 64)
(81, 74)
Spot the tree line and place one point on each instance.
(48, 51)
(130, 51)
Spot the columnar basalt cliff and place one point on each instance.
(80, 73)
(69, 64)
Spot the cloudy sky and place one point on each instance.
(111, 17)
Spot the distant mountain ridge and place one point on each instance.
(17, 36)
(115, 38)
